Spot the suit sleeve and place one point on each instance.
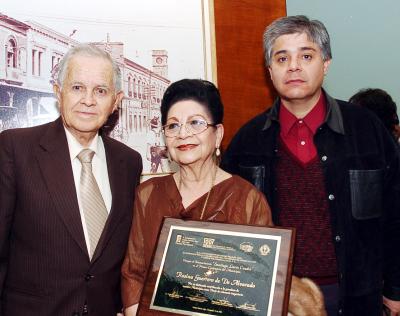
(7, 200)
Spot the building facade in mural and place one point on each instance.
(29, 53)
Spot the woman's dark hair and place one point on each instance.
(379, 102)
(201, 91)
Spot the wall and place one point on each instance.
(365, 43)
(242, 79)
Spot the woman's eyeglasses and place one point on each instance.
(193, 127)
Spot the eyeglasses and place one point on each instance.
(194, 127)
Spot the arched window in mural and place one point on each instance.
(129, 86)
(144, 90)
(12, 53)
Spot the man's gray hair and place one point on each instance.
(315, 30)
(88, 50)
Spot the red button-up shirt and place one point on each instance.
(297, 133)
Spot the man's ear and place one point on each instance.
(118, 99)
(270, 71)
(57, 93)
(326, 66)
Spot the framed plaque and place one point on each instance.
(207, 268)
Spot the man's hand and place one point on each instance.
(392, 306)
(131, 310)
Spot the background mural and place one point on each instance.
(155, 42)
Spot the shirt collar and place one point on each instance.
(287, 120)
(333, 116)
(75, 147)
(312, 120)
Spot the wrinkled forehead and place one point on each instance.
(93, 68)
(87, 60)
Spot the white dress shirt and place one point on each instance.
(99, 169)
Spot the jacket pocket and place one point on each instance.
(253, 174)
(366, 189)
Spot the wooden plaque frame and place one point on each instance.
(195, 241)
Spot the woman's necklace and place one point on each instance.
(208, 193)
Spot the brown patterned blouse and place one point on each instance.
(233, 201)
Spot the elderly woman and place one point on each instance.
(192, 114)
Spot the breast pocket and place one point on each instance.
(366, 189)
(253, 174)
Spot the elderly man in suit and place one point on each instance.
(66, 196)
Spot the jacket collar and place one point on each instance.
(55, 163)
(333, 117)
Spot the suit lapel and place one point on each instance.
(55, 164)
(115, 163)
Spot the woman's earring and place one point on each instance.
(217, 152)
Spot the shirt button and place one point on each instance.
(324, 158)
(337, 238)
(331, 197)
(302, 142)
(300, 121)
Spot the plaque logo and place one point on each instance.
(178, 239)
(264, 250)
(208, 242)
(246, 247)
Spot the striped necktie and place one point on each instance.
(93, 206)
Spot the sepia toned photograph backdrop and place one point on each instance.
(155, 42)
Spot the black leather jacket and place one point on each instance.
(361, 167)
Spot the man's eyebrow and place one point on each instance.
(103, 86)
(308, 48)
(282, 51)
(76, 82)
(304, 48)
(100, 85)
